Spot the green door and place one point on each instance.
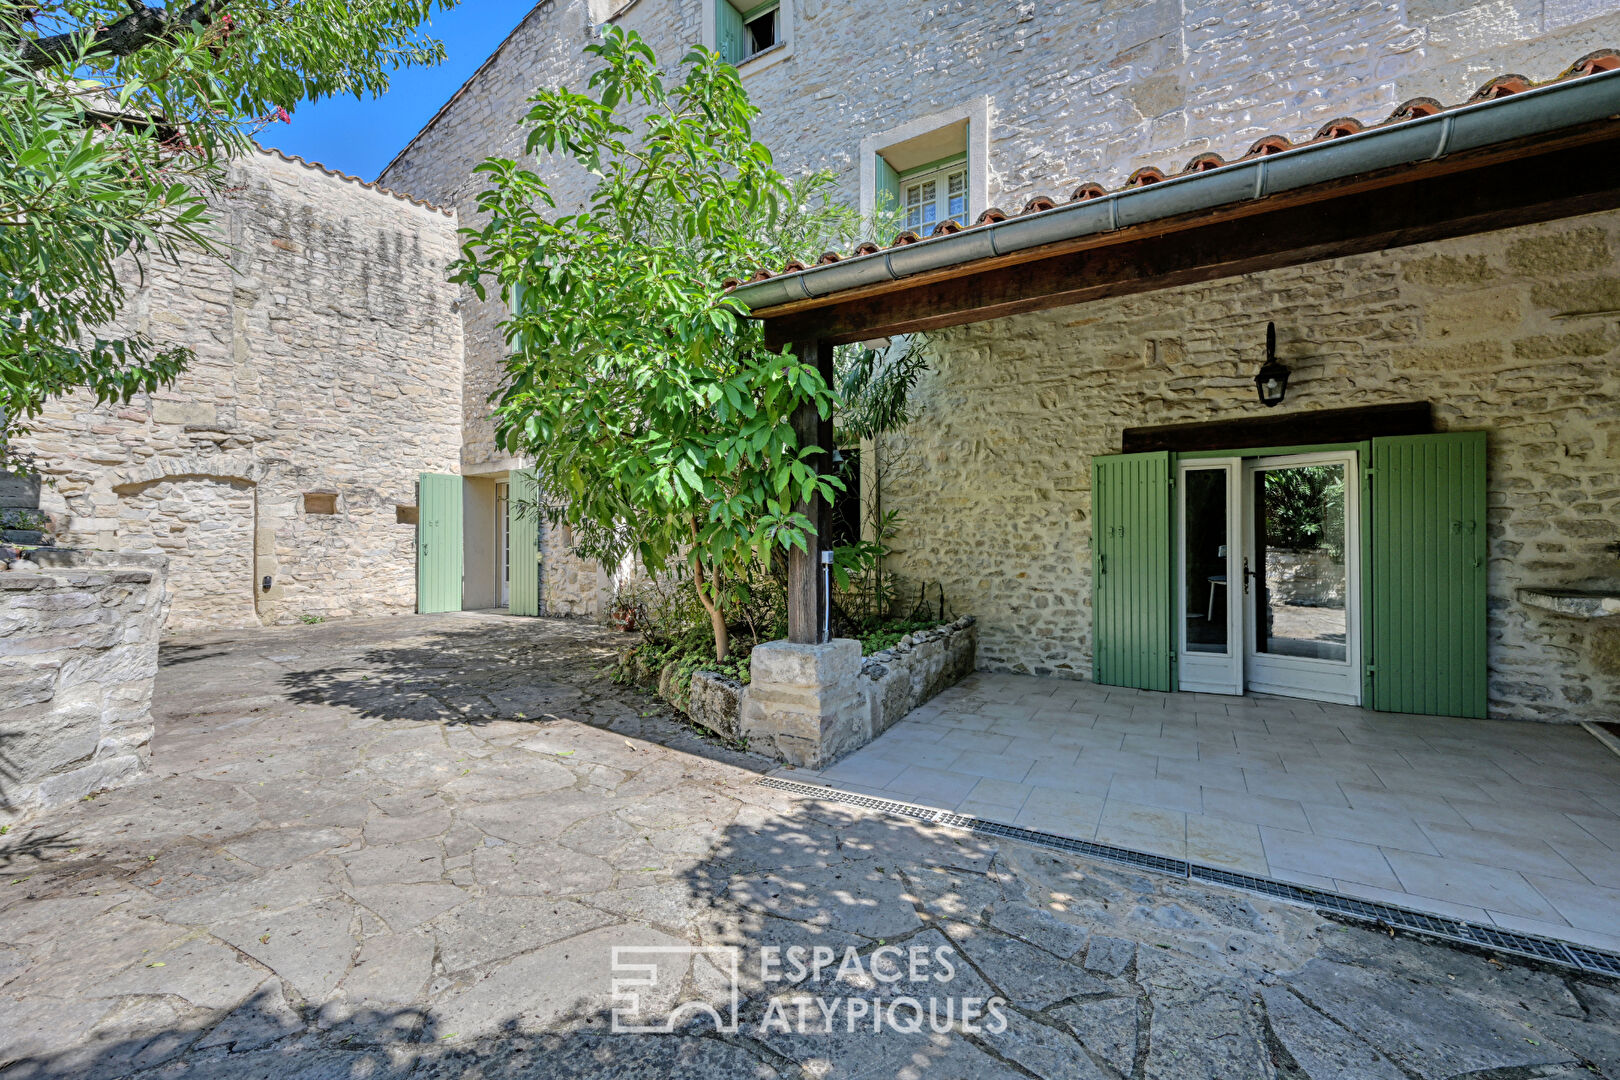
(438, 543)
(1427, 571)
(522, 544)
(1131, 570)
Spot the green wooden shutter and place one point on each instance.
(728, 33)
(438, 543)
(887, 188)
(1131, 570)
(523, 544)
(1428, 569)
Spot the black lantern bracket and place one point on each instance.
(1272, 380)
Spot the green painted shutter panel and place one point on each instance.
(888, 188)
(1131, 572)
(438, 543)
(523, 544)
(1428, 570)
(728, 32)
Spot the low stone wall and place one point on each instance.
(78, 655)
(809, 705)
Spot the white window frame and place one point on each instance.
(765, 58)
(938, 199)
(977, 114)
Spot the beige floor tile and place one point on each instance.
(1230, 845)
(1343, 860)
(1590, 907)
(1383, 827)
(1255, 809)
(1463, 882)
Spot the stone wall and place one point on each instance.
(1512, 332)
(78, 653)
(1076, 92)
(328, 363)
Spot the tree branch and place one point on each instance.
(143, 26)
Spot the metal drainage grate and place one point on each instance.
(1549, 950)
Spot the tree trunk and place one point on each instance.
(717, 618)
(721, 635)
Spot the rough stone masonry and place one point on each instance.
(78, 652)
(327, 377)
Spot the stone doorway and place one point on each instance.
(204, 524)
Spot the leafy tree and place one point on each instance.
(116, 122)
(658, 421)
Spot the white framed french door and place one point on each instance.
(1269, 575)
(1209, 523)
(1302, 576)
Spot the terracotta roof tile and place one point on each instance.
(1202, 163)
(1592, 63)
(1269, 144)
(1338, 129)
(1501, 86)
(1413, 108)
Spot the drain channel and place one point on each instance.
(1549, 950)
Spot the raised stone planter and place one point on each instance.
(78, 655)
(809, 705)
(917, 667)
(716, 702)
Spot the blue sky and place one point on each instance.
(360, 137)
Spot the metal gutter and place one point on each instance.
(1536, 111)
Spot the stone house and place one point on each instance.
(310, 493)
(281, 473)
(1262, 572)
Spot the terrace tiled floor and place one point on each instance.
(1497, 822)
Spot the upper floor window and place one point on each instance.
(742, 33)
(927, 171)
(934, 194)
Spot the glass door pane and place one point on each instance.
(1299, 576)
(1205, 544)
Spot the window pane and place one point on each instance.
(1299, 548)
(1204, 554)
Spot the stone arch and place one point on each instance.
(202, 513)
(217, 466)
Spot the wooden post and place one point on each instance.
(807, 591)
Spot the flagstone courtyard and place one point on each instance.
(408, 846)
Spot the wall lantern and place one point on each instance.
(1272, 381)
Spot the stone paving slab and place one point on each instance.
(409, 847)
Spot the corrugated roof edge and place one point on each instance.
(1561, 103)
(369, 185)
